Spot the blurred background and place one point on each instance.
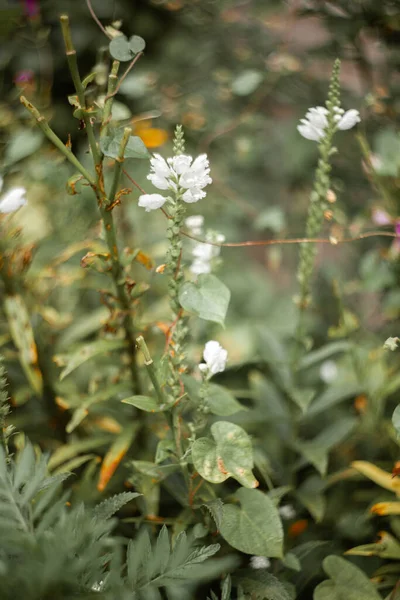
(238, 75)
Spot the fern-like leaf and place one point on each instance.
(160, 565)
(108, 508)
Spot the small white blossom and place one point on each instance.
(205, 253)
(215, 357)
(287, 512)
(391, 343)
(13, 199)
(260, 562)
(328, 371)
(181, 172)
(151, 201)
(195, 224)
(349, 119)
(98, 587)
(314, 125)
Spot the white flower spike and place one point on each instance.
(151, 201)
(313, 126)
(180, 173)
(195, 224)
(215, 357)
(13, 200)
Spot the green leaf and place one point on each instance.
(215, 508)
(396, 419)
(310, 494)
(120, 49)
(135, 147)
(316, 451)
(145, 403)
(106, 509)
(334, 395)
(262, 585)
(23, 143)
(386, 547)
(23, 338)
(247, 82)
(230, 454)
(208, 298)
(253, 527)
(348, 582)
(137, 44)
(76, 359)
(221, 402)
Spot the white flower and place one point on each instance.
(260, 562)
(287, 512)
(13, 199)
(181, 171)
(200, 267)
(161, 173)
(313, 126)
(151, 201)
(180, 163)
(205, 253)
(328, 371)
(215, 357)
(349, 119)
(195, 224)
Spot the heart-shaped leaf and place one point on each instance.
(135, 147)
(137, 44)
(120, 49)
(208, 298)
(253, 526)
(230, 454)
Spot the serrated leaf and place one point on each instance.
(107, 508)
(120, 49)
(253, 526)
(262, 585)
(135, 147)
(208, 298)
(230, 454)
(137, 44)
(215, 508)
(75, 359)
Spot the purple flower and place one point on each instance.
(31, 8)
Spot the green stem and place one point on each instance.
(55, 140)
(80, 90)
(119, 161)
(112, 84)
(148, 361)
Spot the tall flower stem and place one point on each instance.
(318, 203)
(105, 201)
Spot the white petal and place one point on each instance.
(13, 200)
(215, 357)
(349, 119)
(309, 132)
(203, 251)
(199, 267)
(194, 222)
(151, 201)
(181, 163)
(193, 195)
(159, 182)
